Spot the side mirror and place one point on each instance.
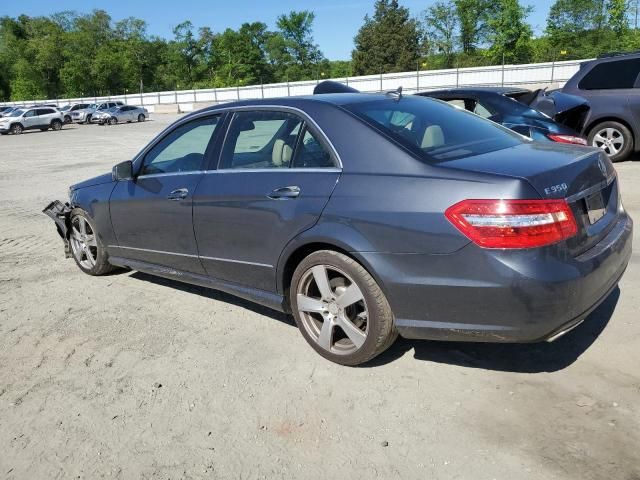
(122, 171)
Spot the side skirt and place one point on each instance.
(267, 299)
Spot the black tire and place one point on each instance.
(102, 265)
(67, 119)
(112, 121)
(16, 129)
(621, 130)
(380, 330)
(141, 118)
(56, 125)
(88, 119)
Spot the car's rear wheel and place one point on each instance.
(112, 121)
(88, 119)
(16, 129)
(86, 247)
(56, 125)
(340, 309)
(615, 139)
(141, 118)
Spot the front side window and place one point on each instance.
(433, 130)
(30, 113)
(182, 150)
(261, 139)
(611, 75)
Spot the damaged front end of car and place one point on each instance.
(60, 213)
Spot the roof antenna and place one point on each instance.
(396, 93)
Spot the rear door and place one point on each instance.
(275, 175)
(152, 214)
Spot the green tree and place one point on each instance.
(510, 34)
(441, 27)
(472, 17)
(387, 42)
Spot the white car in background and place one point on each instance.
(42, 118)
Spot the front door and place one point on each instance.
(274, 179)
(30, 119)
(152, 214)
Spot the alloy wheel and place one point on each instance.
(333, 309)
(16, 129)
(610, 140)
(83, 242)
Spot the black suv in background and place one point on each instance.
(611, 85)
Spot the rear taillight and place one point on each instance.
(513, 223)
(567, 139)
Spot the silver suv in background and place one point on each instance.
(84, 115)
(68, 110)
(43, 118)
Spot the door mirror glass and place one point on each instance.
(123, 171)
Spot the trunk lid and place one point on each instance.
(582, 175)
(568, 110)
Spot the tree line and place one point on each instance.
(70, 54)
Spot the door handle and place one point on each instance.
(179, 194)
(284, 193)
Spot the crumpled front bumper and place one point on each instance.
(60, 213)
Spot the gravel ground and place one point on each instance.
(128, 376)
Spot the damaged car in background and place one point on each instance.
(366, 216)
(540, 115)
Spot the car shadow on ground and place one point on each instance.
(511, 357)
(215, 295)
(506, 357)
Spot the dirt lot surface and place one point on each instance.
(127, 376)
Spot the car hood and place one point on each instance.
(100, 179)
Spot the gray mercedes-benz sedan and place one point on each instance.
(365, 216)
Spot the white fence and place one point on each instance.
(506, 75)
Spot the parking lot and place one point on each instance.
(129, 376)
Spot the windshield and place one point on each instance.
(113, 109)
(16, 113)
(432, 129)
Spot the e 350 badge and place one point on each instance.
(553, 189)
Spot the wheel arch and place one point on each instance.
(292, 257)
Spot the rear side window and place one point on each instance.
(261, 139)
(611, 75)
(310, 153)
(433, 130)
(45, 111)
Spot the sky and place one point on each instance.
(336, 23)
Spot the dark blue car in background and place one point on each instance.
(542, 116)
(365, 216)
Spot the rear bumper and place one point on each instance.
(487, 295)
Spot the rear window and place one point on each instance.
(432, 129)
(611, 75)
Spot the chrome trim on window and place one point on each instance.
(222, 110)
(170, 174)
(218, 259)
(275, 169)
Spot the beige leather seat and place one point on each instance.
(281, 154)
(433, 137)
